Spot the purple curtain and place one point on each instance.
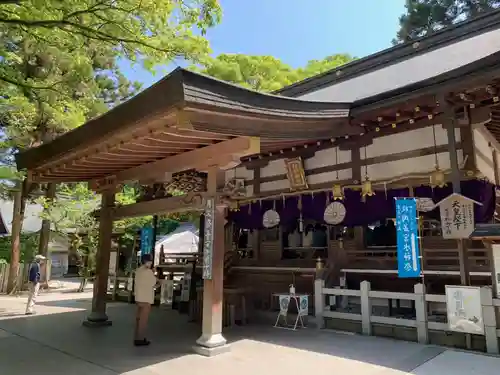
(378, 207)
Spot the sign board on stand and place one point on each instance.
(457, 216)
(464, 310)
(496, 262)
(284, 301)
(304, 305)
(167, 292)
(186, 287)
(407, 238)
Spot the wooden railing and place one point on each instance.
(437, 254)
(417, 316)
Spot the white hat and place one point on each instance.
(40, 257)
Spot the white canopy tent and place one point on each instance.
(182, 240)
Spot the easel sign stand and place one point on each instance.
(302, 305)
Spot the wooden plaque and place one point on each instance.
(295, 173)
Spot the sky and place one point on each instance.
(296, 31)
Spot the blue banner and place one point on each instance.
(407, 238)
(146, 240)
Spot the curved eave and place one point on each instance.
(186, 102)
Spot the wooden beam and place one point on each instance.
(213, 154)
(182, 203)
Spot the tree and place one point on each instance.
(60, 65)
(315, 67)
(262, 73)
(423, 17)
(71, 214)
(148, 31)
(265, 73)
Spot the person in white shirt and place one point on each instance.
(144, 292)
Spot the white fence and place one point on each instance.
(421, 301)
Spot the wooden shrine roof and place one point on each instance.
(183, 112)
(187, 111)
(472, 89)
(412, 61)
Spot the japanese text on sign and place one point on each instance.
(208, 242)
(407, 238)
(457, 216)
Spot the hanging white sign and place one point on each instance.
(334, 213)
(463, 306)
(495, 248)
(425, 204)
(270, 219)
(457, 216)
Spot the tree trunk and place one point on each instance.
(17, 223)
(43, 246)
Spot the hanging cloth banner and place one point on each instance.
(146, 240)
(407, 238)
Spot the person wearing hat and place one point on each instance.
(144, 293)
(34, 283)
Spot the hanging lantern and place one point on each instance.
(234, 206)
(366, 186)
(338, 192)
(437, 178)
(367, 189)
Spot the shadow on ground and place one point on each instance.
(57, 338)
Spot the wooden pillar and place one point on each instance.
(211, 341)
(449, 123)
(98, 316)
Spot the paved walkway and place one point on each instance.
(54, 343)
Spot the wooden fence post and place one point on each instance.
(421, 314)
(490, 321)
(319, 303)
(366, 308)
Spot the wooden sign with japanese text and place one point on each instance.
(457, 216)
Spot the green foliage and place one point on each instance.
(29, 246)
(262, 73)
(71, 215)
(315, 67)
(423, 17)
(59, 68)
(265, 73)
(60, 59)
